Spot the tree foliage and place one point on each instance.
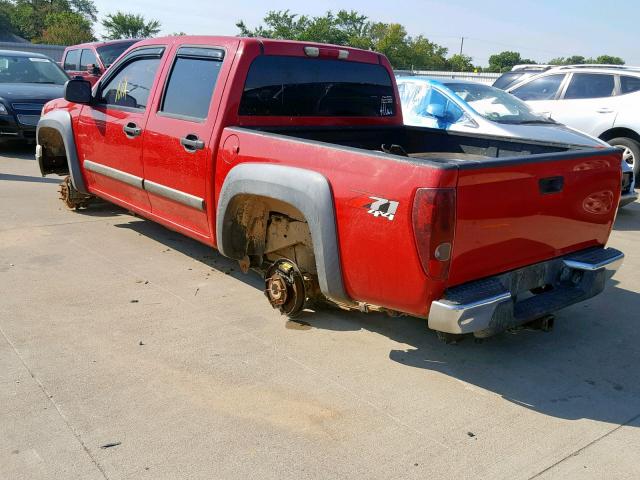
(352, 29)
(505, 61)
(129, 25)
(580, 60)
(66, 28)
(46, 20)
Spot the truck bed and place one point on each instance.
(433, 145)
(516, 203)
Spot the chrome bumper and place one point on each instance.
(490, 305)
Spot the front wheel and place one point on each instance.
(631, 152)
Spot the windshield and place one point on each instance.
(494, 104)
(18, 69)
(510, 78)
(109, 53)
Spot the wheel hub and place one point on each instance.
(285, 287)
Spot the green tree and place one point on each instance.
(355, 30)
(460, 63)
(505, 61)
(572, 60)
(66, 28)
(343, 28)
(30, 18)
(580, 60)
(609, 60)
(6, 9)
(129, 25)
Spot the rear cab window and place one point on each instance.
(71, 60)
(191, 82)
(296, 86)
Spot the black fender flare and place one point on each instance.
(306, 190)
(60, 120)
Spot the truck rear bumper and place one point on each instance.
(488, 306)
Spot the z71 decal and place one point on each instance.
(381, 207)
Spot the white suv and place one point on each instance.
(601, 100)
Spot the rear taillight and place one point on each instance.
(434, 222)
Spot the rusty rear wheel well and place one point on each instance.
(54, 153)
(264, 229)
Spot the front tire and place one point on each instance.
(631, 153)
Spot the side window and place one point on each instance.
(453, 112)
(131, 86)
(87, 58)
(590, 85)
(543, 88)
(442, 108)
(191, 82)
(71, 60)
(629, 84)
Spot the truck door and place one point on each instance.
(178, 154)
(111, 129)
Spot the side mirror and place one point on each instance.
(77, 91)
(436, 110)
(93, 69)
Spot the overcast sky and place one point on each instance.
(538, 29)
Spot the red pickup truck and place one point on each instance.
(292, 158)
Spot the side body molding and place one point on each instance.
(60, 120)
(305, 190)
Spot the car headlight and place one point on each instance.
(3, 110)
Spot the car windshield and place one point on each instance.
(19, 69)
(494, 104)
(510, 78)
(109, 53)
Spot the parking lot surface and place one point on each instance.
(128, 351)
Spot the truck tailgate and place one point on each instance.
(512, 213)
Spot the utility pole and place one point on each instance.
(461, 44)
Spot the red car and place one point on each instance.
(292, 158)
(90, 60)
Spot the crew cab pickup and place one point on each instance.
(292, 158)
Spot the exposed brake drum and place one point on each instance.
(285, 287)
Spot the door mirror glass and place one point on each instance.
(77, 91)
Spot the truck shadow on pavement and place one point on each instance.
(586, 368)
(628, 218)
(16, 149)
(7, 177)
(187, 246)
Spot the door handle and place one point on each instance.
(191, 143)
(604, 110)
(131, 130)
